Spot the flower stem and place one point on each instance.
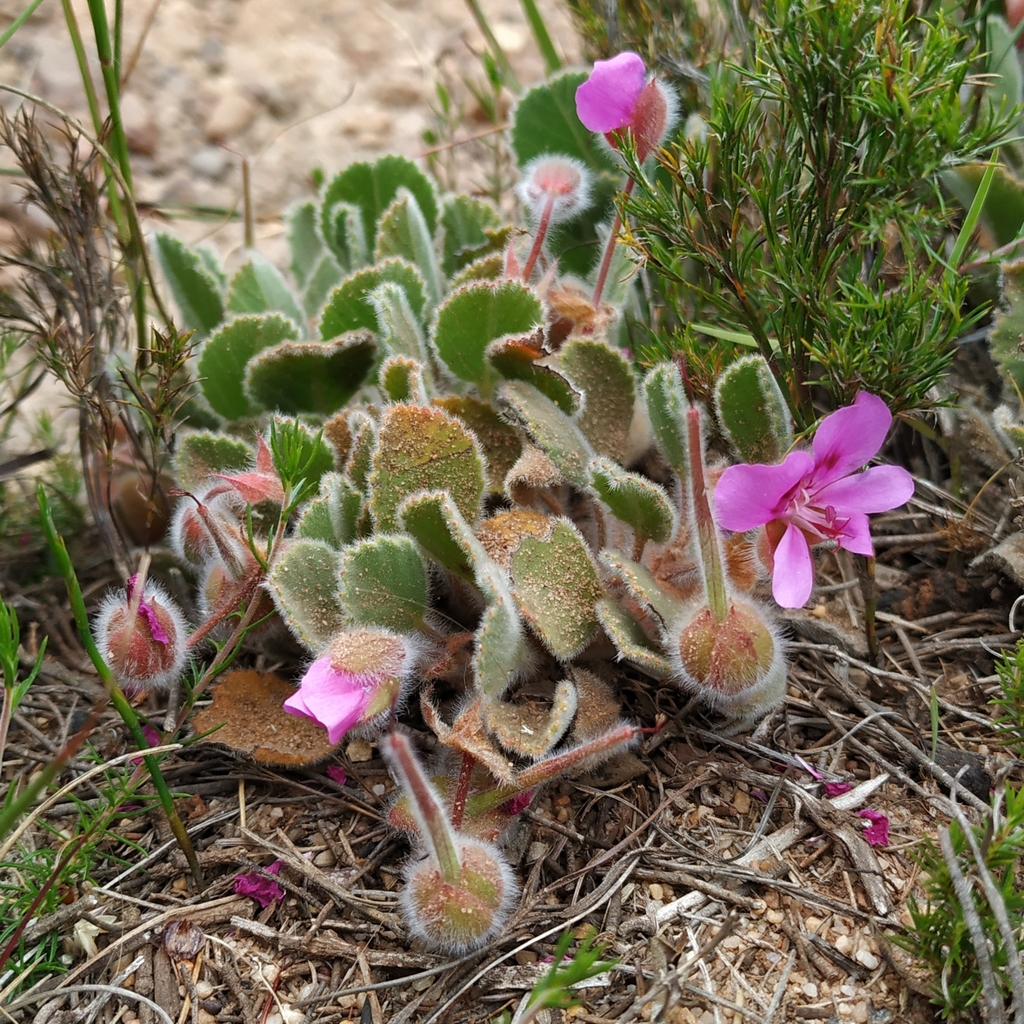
(437, 834)
(462, 790)
(707, 535)
(606, 262)
(538, 240)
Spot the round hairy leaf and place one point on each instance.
(518, 359)
(638, 502)
(499, 441)
(752, 411)
(372, 187)
(555, 584)
(604, 376)
(403, 232)
(258, 287)
(225, 355)
(304, 241)
(477, 314)
(304, 583)
(630, 640)
(423, 449)
(196, 290)
(549, 428)
(311, 376)
(465, 221)
(384, 583)
(200, 454)
(350, 306)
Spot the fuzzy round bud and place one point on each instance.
(737, 665)
(561, 182)
(462, 914)
(142, 638)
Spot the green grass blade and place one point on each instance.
(552, 62)
(18, 22)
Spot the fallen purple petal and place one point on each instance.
(337, 774)
(256, 884)
(877, 833)
(837, 788)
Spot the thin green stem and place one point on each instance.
(498, 53)
(552, 62)
(707, 535)
(18, 22)
(60, 553)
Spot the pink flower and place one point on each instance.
(877, 833)
(616, 97)
(359, 678)
(256, 884)
(816, 496)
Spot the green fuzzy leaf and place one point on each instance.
(210, 259)
(403, 232)
(643, 587)
(372, 187)
(666, 408)
(225, 355)
(315, 522)
(384, 583)
(196, 291)
(1005, 88)
(401, 379)
(304, 583)
(360, 456)
(304, 241)
(464, 238)
(345, 505)
(324, 278)
(487, 268)
(630, 640)
(437, 525)
(342, 227)
(423, 518)
(555, 584)
(350, 306)
(311, 376)
(200, 454)
(476, 315)
(400, 330)
(752, 411)
(549, 428)
(423, 449)
(258, 287)
(515, 360)
(1008, 327)
(638, 502)
(500, 442)
(606, 380)
(545, 121)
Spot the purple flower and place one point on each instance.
(256, 884)
(605, 101)
(816, 496)
(617, 97)
(877, 833)
(357, 679)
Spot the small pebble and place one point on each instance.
(379, 789)
(325, 859)
(775, 916)
(656, 891)
(860, 1012)
(526, 956)
(209, 162)
(810, 990)
(204, 989)
(844, 944)
(359, 750)
(867, 958)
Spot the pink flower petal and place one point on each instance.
(605, 101)
(262, 889)
(748, 496)
(793, 576)
(877, 489)
(856, 535)
(837, 788)
(336, 700)
(337, 774)
(877, 833)
(849, 438)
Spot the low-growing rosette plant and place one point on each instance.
(430, 461)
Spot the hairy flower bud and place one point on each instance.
(458, 896)
(561, 181)
(737, 665)
(142, 637)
